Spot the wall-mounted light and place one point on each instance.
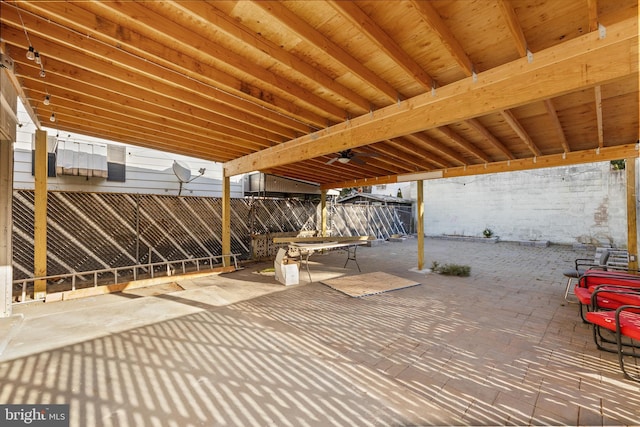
(47, 100)
(31, 53)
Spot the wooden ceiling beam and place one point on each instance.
(181, 38)
(391, 164)
(514, 26)
(599, 120)
(397, 150)
(546, 161)
(557, 126)
(520, 131)
(168, 64)
(314, 37)
(592, 6)
(576, 64)
(352, 12)
(207, 15)
(131, 110)
(463, 143)
(406, 144)
(106, 132)
(479, 127)
(164, 90)
(430, 15)
(423, 140)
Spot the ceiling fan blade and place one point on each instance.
(357, 160)
(332, 160)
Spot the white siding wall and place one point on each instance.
(147, 171)
(575, 204)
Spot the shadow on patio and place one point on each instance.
(499, 347)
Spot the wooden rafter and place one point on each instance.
(353, 13)
(201, 48)
(514, 26)
(557, 70)
(311, 35)
(398, 153)
(463, 143)
(520, 131)
(407, 145)
(120, 63)
(438, 26)
(592, 6)
(557, 126)
(208, 16)
(151, 42)
(599, 121)
(283, 86)
(479, 127)
(545, 161)
(423, 140)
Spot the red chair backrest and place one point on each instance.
(594, 278)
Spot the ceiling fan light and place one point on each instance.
(343, 159)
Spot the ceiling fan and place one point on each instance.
(349, 155)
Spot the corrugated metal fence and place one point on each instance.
(93, 231)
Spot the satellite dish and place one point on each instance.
(182, 171)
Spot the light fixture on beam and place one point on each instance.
(37, 58)
(53, 117)
(31, 53)
(47, 99)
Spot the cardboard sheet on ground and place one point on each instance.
(368, 284)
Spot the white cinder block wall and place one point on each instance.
(568, 205)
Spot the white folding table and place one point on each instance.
(305, 250)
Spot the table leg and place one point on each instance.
(306, 263)
(351, 256)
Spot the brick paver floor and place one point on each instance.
(501, 347)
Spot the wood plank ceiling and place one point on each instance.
(449, 87)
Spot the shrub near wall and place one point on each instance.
(583, 204)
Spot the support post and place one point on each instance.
(420, 224)
(226, 220)
(40, 216)
(6, 226)
(323, 213)
(632, 223)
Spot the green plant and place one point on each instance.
(487, 232)
(617, 164)
(451, 269)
